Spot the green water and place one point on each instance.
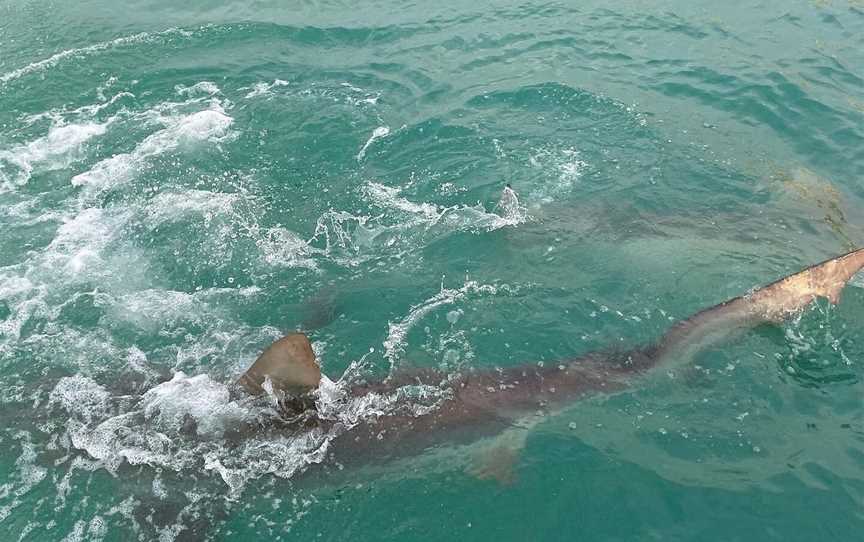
(180, 184)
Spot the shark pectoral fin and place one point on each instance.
(496, 463)
(288, 363)
(496, 458)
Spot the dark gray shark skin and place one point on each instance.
(483, 403)
(480, 404)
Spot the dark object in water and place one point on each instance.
(489, 402)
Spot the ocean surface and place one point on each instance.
(181, 183)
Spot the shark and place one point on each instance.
(502, 405)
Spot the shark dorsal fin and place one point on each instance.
(290, 365)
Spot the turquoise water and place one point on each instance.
(180, 184)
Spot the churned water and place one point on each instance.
(183, 182)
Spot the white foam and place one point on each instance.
(288, 455)
(210, 125)
(24, 212)
(76, 256)
(201, 88)
(96, 529)
(155, 309)
(12, 286)
(25, 478)
(77, 532)
(453, 218)
(23, 308)
(77, 247)
(279, 456)
(147, 433)
(386, 196)
(198, 397)
(154, 430)
(81, 397)
(55, 150)
(264, 89)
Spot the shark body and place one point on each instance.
(484, 403)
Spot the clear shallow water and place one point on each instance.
(180, 185)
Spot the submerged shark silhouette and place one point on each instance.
(483, 403)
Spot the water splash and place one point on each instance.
(394, 344)
(377, 133)
(403, 227)
(560, 168)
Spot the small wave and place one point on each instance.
(817, 350)
(345, 236)
(81, 114)
(155, 309)
(509, 207)
(377, 133)
(53, 60)
(228, 217)
(365, 96)
(67, 137)
(172, 313)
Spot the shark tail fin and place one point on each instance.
(288, 363)
(771, 303)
